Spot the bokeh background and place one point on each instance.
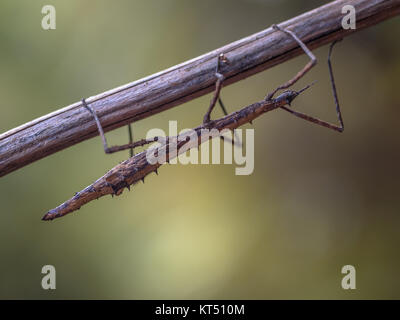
(317, 200)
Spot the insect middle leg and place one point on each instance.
(218, 87)
(130, 135)
(216, 98)
(131, 145)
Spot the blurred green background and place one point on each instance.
(317, 200)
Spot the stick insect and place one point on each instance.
(137, 167)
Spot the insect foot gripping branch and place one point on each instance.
(138, 167)
(135, 169)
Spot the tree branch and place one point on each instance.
(164, 90)
(136, 168)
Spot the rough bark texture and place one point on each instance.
(136, 168)
(143, 98)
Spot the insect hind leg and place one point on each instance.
(131, 145)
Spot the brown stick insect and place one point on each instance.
(137, 167)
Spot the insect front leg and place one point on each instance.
(304, 116)
(301, 73)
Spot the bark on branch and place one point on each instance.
(136, 168)
(156, 93)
